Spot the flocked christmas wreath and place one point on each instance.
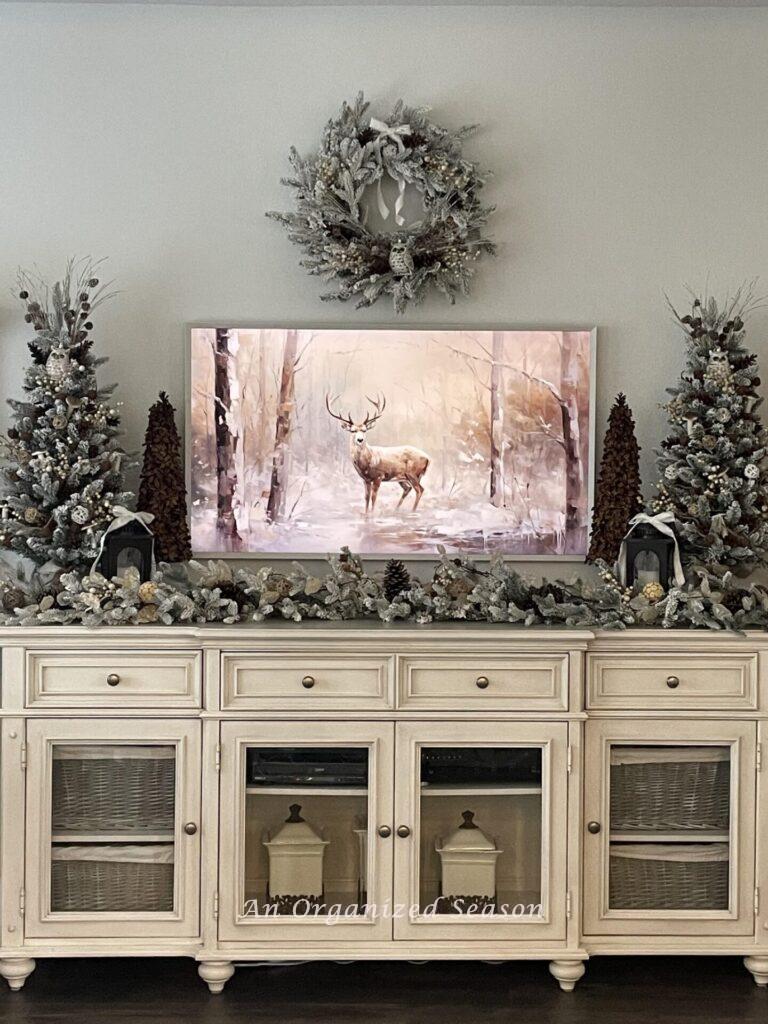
(357, 153)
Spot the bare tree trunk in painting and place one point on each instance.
(497, 422)
(226, 476)
(278, 482)
(571, 440)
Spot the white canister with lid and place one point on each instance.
(296, 858)
(468, 861)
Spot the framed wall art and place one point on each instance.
(392, 442)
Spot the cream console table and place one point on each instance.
(616, 780)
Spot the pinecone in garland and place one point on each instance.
(162, 490)
(396, 579)
(618, 495)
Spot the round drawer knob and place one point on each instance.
(190, 828)
(482, 682)
(384, 831)
(593, 827)
(673, 682)
(113, 679)
(403, 831)
(308, 682)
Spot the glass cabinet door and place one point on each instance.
(669, 820)
(113, 810)
(306, 830)
(481, 830)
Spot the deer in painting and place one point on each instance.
(375, 464)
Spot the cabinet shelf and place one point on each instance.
(112, 837)
(307, 790)
(683, 836)
(482, 789)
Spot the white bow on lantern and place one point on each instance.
(663, 523)
(390, 133)
(122, 517)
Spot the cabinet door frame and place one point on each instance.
(236, 737)
(552, 737)
(741, 737)
(43, 734)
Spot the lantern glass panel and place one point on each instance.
(128, 558)
(647, 568)
(495, 868)
(306, 831)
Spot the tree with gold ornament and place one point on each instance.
(62, 463)
(712, 463)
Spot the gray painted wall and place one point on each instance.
(630, 150)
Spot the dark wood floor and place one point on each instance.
(613, 991)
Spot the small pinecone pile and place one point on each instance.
(396, 579)
(162, 489)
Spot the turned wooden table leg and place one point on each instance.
(758, 968)
(567, 973)
(16, 971)
(216, 974)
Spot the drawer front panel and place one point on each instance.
(286, 681)
(662, 681)
(113, 679)
(473, 682)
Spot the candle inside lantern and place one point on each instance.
(646, 576)
(646, 568)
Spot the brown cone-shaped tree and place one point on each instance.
(162, 490)
(618, 495)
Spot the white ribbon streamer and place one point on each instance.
(662, 522)
(391, 133)
(123, 516)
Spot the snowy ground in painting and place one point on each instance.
(474, 528)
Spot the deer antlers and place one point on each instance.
(379, 404)
(346, 420)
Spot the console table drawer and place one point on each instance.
(326, 683)
(662, 681)
(113, 679)
(474, 682)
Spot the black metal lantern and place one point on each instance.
(649, 556)
(127, 546)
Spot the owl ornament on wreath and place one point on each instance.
(333, 190)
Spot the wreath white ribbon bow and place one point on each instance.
(663, 523)
(123, 516)
(390, 133)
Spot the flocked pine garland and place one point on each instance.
(460, 590)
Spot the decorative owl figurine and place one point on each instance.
(57, 363)
(400, 258)
(718, 368)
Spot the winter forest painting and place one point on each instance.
(389, 441)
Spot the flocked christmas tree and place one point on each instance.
(63, 465)
(712, 463)
(618, 485)
(162, 490)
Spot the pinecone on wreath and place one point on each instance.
(396, 579)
